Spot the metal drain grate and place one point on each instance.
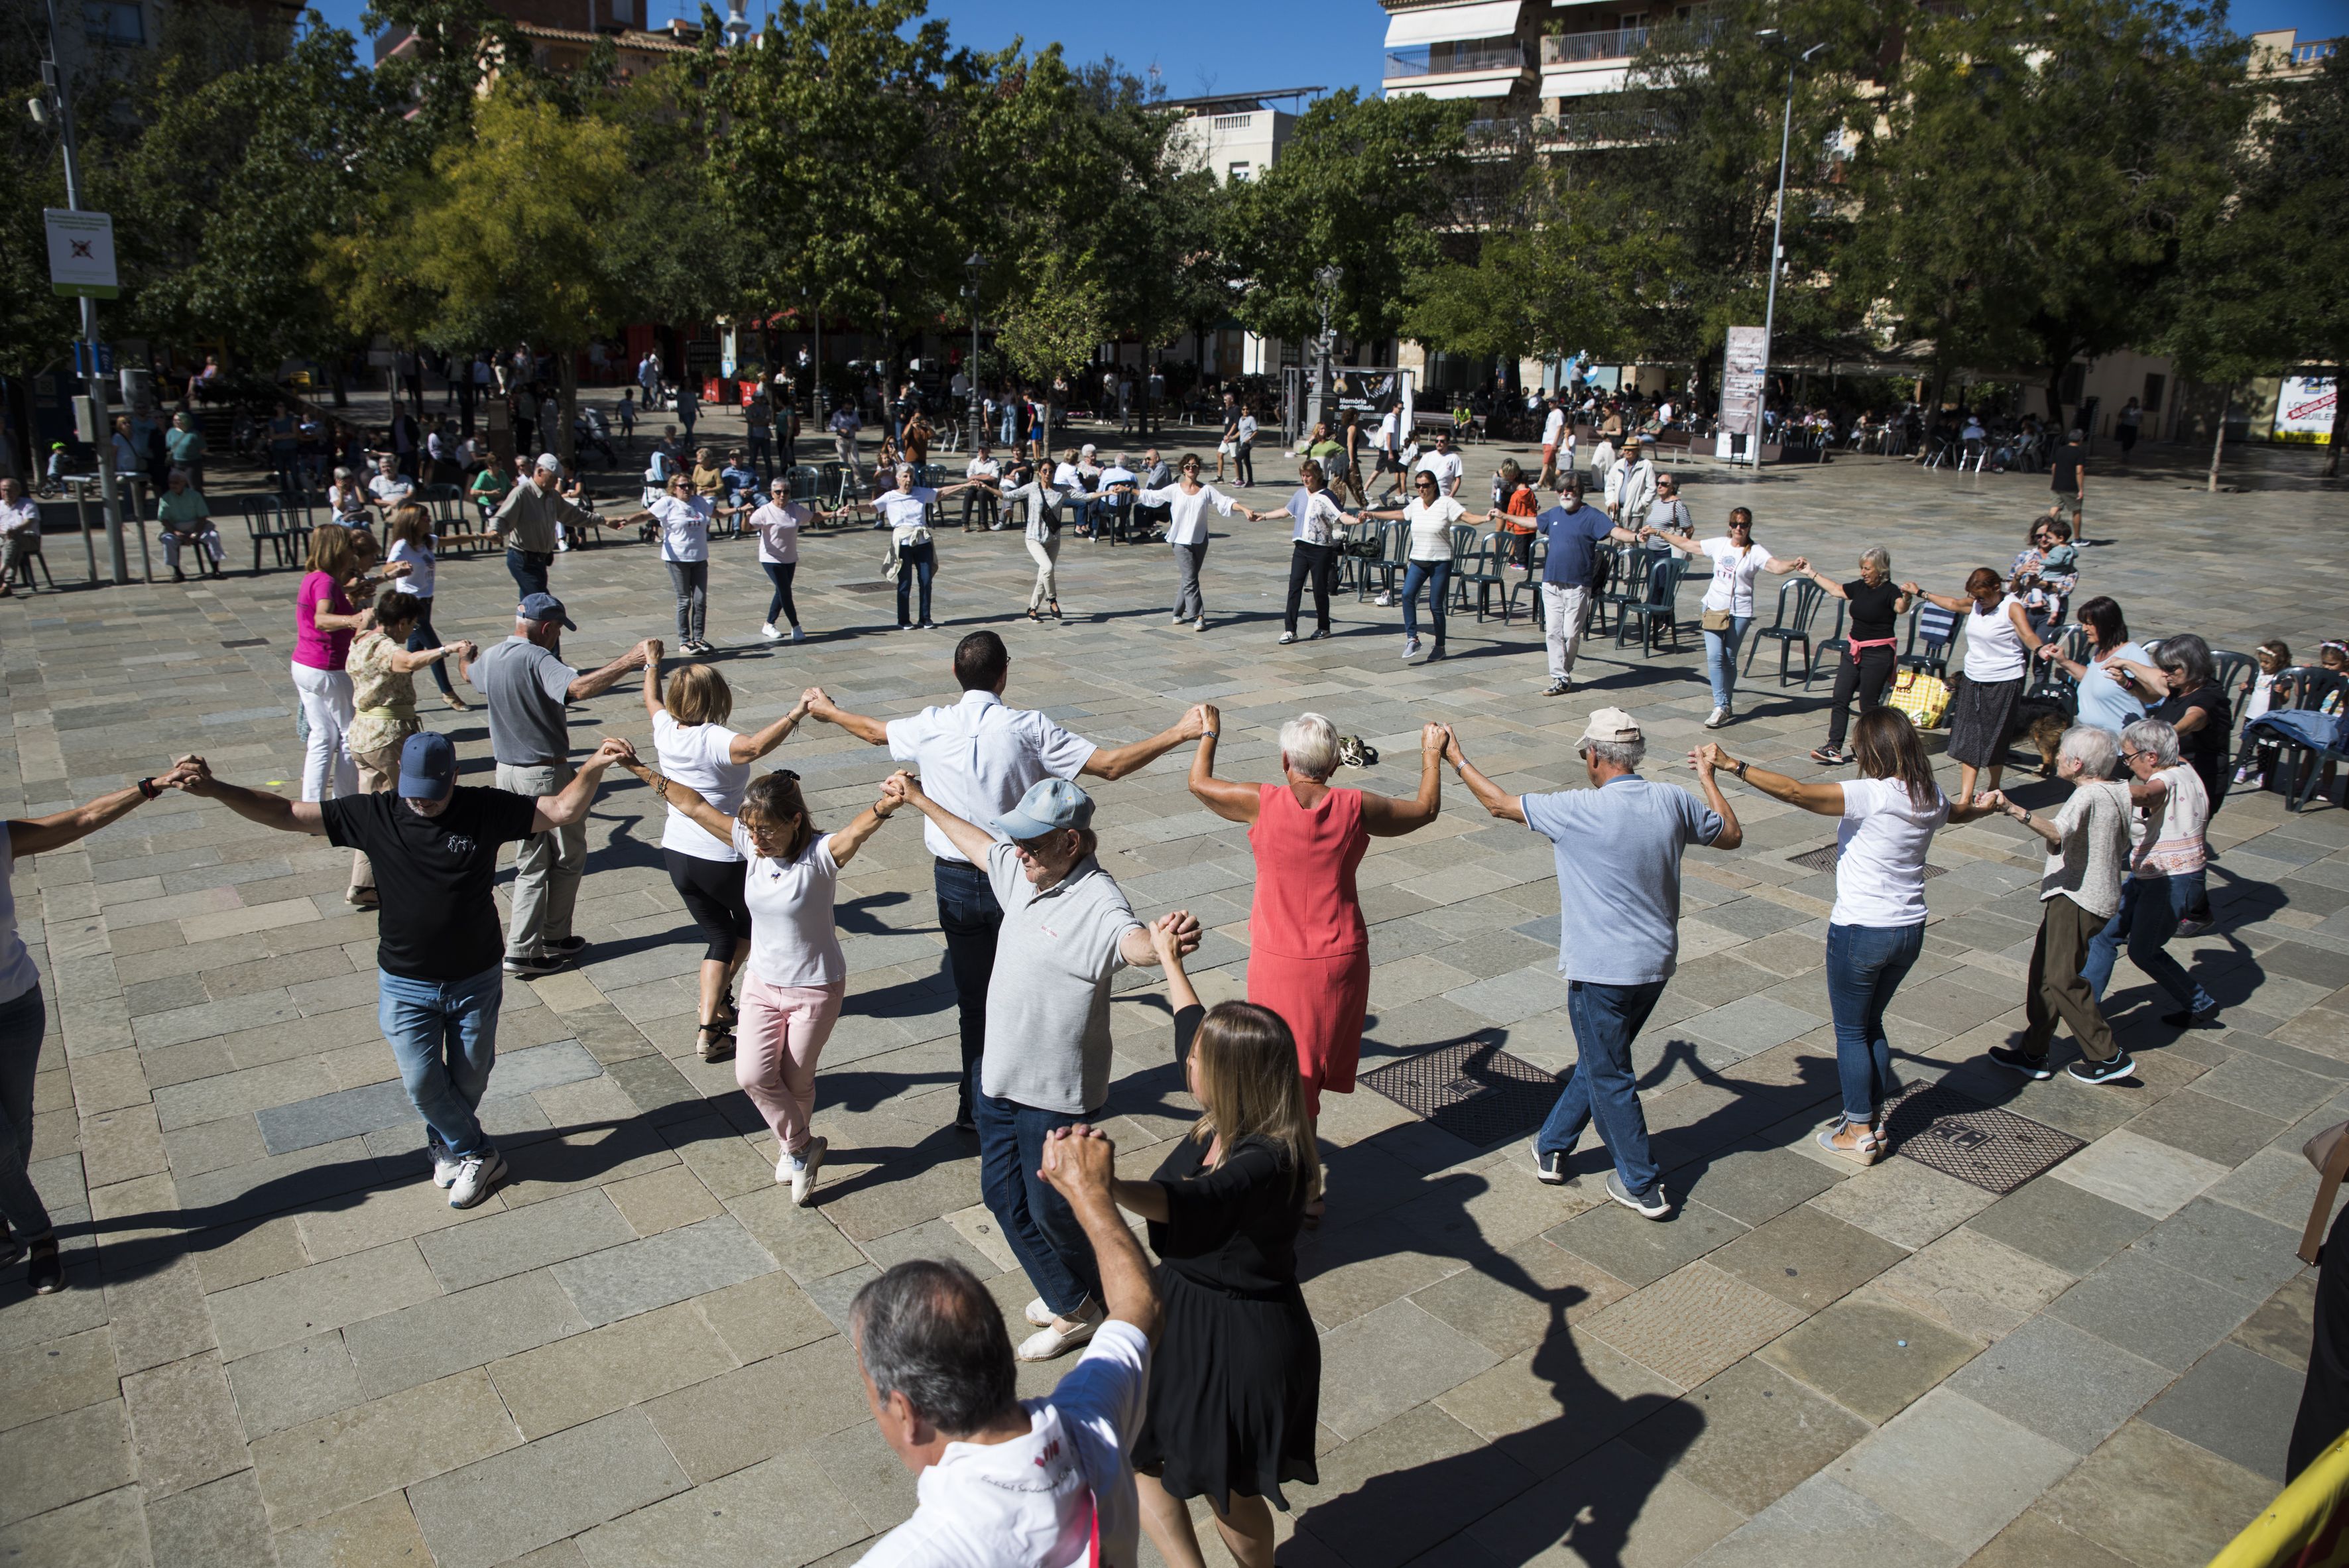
(1474, 1090)
(861, 587)
(1958, 1135)
(1823, 859)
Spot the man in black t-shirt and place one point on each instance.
(2068, 476)
(439, 949)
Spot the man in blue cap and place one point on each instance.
(435, 851)
(1067, 931)
(527, 685)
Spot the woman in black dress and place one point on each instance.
(1236, 1379)
(1877, 606)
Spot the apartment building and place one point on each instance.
(1238, 135)
(1515, 58)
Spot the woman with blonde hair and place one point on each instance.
(697, 750)
(797, 973)
(1308, 946)
(1235, 1380)
(324, 623)
(383, 660)
(1877, 606)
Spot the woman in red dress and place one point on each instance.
(1308, 949)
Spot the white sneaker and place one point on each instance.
(444, 1168)
(476, 1174)
(1037, 1312)
(1719, 717)
(799, 1170)
(1053, 1340)
(1288, 638)
(767, 630)
(1385, 601)
(1200, 624)
(1410, 646)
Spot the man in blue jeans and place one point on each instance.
(977, 759)
(434, 847)
(1066, 932)
(1618, 846)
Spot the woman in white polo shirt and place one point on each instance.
(797, 973)
(1876, 929)
(1728, 605)
(697, 750)
(1187, 500)
(684, 516)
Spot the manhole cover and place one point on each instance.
(1474, 1090)
(1823, 859)
(1958, 1135)
(862, 587)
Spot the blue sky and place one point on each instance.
(1245, 46)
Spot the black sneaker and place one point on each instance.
(2207, 1018)
(567, 948)
(1831, 756)
(2029, 1067)
(533, 966)
(2113, 1071)
(1549, 1170)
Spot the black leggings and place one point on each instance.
(422, 637)
(1317, 563)
(779, 572)
(712, 892)
(1867, 674)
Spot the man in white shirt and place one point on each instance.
(1443, 463)
(1005, 1482)
(977, 759)
(1244, 447)
(1603, 464)
(389, 487)
(1553, 432)
(984, 474)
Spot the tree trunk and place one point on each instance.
(2219, 442)
(567, 369)
(2340, 423)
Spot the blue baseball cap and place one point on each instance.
(546, 607)
(428, 767)
(1050, 805)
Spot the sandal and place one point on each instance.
(716, 1042)
(457, 703)
(1866, 1151)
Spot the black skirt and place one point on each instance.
(1982, 716)
(1235, 1390)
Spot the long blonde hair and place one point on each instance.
(330, 551)
(1249, 1084)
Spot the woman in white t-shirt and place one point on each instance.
(1999, 644)
(798, 976)
(1186, 502)
(698, 750)
(1728, 605)
(683, 516)
(2166, 862)
(1314, 521)
(1876, 929)
(778, 525)
(905, 513)
(1432, 516)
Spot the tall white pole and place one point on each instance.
(1770, 309)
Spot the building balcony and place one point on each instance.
(1578, 48)
(1456, 59)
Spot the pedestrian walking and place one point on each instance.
(1314, 521)
(382, 664)
(778, 525)
(774, 902)
(26, 1232)
(1573, 568)
(2167, 864)
(1186, 502)
(844, 426)
(1067, 930)
(434, 847)
(2079, 893)
(1308, 946)
(978, 758)
(1876, 604)
(1999, 643)
(1431, 517)
(1005, 1483)
(1235, 1387)
(526, 686)
(1727, 609)
(1885, 820)
(1553, 437)
(2067, 476)
(1617, 848)
(2126, 425)
(1227, 441)
(1443, 463)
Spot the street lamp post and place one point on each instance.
(1326, 277)
(974, 263)
(1771, 38)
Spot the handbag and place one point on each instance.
(1714, 620)
(2329, 1153)
(1925, 699)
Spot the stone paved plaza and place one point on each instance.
(279, 1344)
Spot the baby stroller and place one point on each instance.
(589, 433)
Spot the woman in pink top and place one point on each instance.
(323, 624)
(1309, 949)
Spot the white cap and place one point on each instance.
(1611, 725)
(548, 463)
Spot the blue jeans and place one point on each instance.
(21, 1025)
(2150, 909)
(971, 919)
(444, 1035)
(1437, 575)
(1721, 658)
(1866, 964)
(1599, 1086)
(756, 438)
(529, 568)
(916, 561)
(1036, 1219)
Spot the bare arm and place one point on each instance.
(1139, 945)
(851, 839)
(29, 836)
(1828, 587)
(1115, 762)
(872, 731)
(252, 805)
(1777, 568)
(1384, 818)
(2153, 683)
(750, 747)
(974, 841)
(2043, 826)
(571, 806)
(1226, 798)
(685, 799)
(1825, 800)
(595, 683)
(653, 708)
(1687, 546)
(1956, 603)
(1080, 1163)
(1731, 834)
(1491, 796)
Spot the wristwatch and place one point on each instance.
(147, 789)
(1739, 768)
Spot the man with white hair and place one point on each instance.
(1619, 845)
(530, 524)
(1632, 488)
(2079, 890)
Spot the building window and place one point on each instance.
(1238, 170)
(1233, 121)
(2154, 387)
(118, 22)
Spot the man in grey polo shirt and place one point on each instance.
(1618, 846)
(527, 685)
(1067, 931)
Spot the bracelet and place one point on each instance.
(1739, 768)
(147, 789)
(1208, 735)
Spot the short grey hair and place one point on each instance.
(342, 476)
(1624, 754)
(2155, 736)
(1310, 742)
(1876, 555)
(927, 1330)
(2095, 750)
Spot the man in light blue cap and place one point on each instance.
(1067, 931)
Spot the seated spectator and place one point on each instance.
(1034, 1483)
(187, 519)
